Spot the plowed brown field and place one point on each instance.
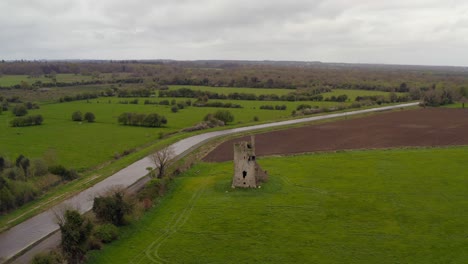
(421, 127)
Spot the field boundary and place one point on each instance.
(181, 147)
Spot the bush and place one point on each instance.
(75, 231)
(63, 172)
(6, 197)
(107, 233)
(164, 102)
(224, 116)
(77, 116)
(20, 110)
(174, 109)
(40, 167)
(23, 192)
(89, 117)
(52, 257)
(14, 173)
(34, 120)
(112, 208)
(94, 243)
(155, 188)
(303, 106)
(30, 105)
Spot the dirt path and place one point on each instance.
(421, 127)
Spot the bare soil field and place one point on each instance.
(410, 128)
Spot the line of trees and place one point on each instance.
(143, 92)
(145, 120)
(309, 95)
(339, 98)
(216, 104)
(32, 120)
(271, 107)
(250, 74)
(77, 97)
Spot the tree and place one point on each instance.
(89, 117)
(162, 159)
(113, 207)
(20, 110)
(174, 109)
(77, 116)
(23, 163)
(75, 232)
(224, 115)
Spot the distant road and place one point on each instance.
(30, 232)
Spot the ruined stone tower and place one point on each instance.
(247, 173)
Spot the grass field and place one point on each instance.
(386, 206)
(82, 145)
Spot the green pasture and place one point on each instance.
(380, 206)
(83, 145)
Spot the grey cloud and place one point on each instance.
(399, 31)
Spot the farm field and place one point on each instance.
(379, 206)
(409, 128)
(83, 145)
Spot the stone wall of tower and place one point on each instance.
(247, 172)
(244, 166)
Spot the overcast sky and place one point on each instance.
(428, 32)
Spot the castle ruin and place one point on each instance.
(247, 172)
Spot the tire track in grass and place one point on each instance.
(139, 257)
(152, 251)
(183, 218)
(288, 182)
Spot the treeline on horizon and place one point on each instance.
(237, 74)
